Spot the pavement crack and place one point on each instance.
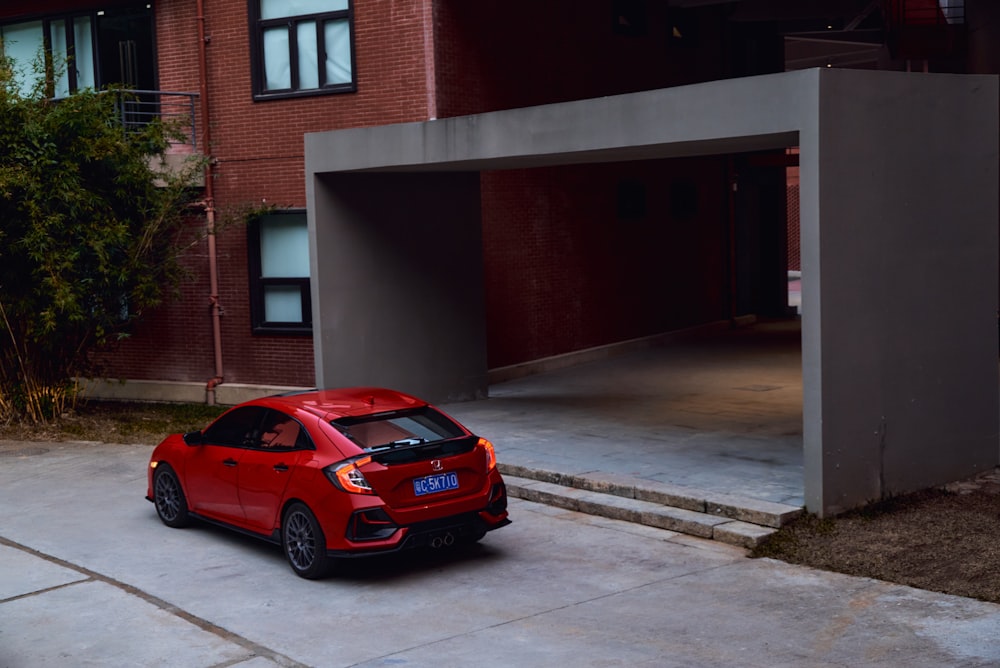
(38, 592)
(253, 649)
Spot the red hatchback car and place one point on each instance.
(333, 473)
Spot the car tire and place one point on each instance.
(169, 499)
(304, 543)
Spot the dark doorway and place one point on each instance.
(126, 53)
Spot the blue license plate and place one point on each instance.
(432, 484)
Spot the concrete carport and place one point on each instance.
(899, 219)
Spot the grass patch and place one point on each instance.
(117, 422)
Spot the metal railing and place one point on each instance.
(138, 108)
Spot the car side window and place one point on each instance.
(238, 428)
(282, 432)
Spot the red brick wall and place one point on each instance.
(565, 272)
(562, 271)
(503, 54)
(258, 147)
(794, 239)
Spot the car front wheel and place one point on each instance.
(304, 542)
(171, 504)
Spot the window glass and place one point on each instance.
(239, 427)
(282, 432)
(60, 57)
(79, 62)
(275, 9)
(114, 45)
(308, 58)
(424, 425)
(282, 303)
(277, 68)
(279, 274)
(284, 246)
(338, 51)
(22, 43)
(83, 50)
(302, 47)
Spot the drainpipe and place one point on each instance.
(213, 263)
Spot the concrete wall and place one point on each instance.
(717, 117)
(898, 232)
(398, 283)
(227, 394)
(899, 211)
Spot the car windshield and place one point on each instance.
(386, 431)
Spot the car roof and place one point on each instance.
(331, 404)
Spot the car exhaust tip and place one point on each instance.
(446, 540)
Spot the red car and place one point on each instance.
(333, 473)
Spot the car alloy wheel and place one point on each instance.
(304, 542)
(171, 505)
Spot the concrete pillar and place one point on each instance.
(398, 283)
(899, 263)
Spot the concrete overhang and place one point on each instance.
(734, 115)
(898, 213)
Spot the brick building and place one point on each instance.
(574, 256)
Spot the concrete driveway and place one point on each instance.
(89, 577)
(717, 411)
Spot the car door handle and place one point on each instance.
(229, 462)
(281, 468)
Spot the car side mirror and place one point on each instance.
(194, 438)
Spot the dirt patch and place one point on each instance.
(945, 540)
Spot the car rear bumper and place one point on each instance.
(440, 532)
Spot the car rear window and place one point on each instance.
(385, 431)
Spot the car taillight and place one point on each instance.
(348, 476)
(491, 455)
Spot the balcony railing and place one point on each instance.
(179, 112)
(137, 108)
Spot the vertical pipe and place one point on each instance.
(213, 264)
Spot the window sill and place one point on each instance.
(277, 330)
(316, 92)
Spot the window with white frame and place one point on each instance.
(302, 47)
(279, 274)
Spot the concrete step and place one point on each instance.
(727, 518)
